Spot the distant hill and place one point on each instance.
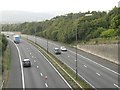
(22, 16)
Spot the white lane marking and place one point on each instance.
(2, 84)
(98, 74)
(32, 56)
(68, 56)
(23, 79)
(34, 61)
(30, 53)
(85, 66)
(91, 61)
(61, 75)
(37, 66)
(96, 63)
(46, 85)
(80, 76)
(41, 74)
(116, 86)
(55, 69)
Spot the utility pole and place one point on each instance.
(27, 36)
(35, 36)
(47, 44)
(76, 53)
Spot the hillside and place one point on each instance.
(22, 16)
(93, 25)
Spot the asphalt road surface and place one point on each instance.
(98, 72)
(41, 75)
(15, 76)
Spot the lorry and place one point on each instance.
(16, 39)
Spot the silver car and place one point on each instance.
(57, 51)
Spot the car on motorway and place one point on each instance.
(63, 48)
(57, 51)
(26, 63)
(7, 36)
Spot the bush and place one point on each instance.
(108, 33)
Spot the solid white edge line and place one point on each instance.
(91, 60)
(55, 70)
(46, 85)
(23, 80)
(116, 86)
(80, 76)
(2, 84)
(71, 69)
(96, 63)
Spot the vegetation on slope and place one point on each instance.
(3, 45)
(89, 25)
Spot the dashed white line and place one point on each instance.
(55, 69)
(34, 61)
(41, 74)
(80, 76)
(85, 66)
(46, 85)
(116, 86)
(96, 63)
(37, 66)
(30, 53)
(98, 74)
(68, 56)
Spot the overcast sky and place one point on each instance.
(58, 6)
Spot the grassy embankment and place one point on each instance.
(6, 64)
(100, 41)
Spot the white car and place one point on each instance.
(63, 48)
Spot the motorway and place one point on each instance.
(41, 75)
(97, 72)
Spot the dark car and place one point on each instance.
(26, 63)
(7, 36)
(57, 51)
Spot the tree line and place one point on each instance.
(89, 25)
(3, 45)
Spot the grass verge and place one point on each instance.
(66, 72)
(6, 64)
